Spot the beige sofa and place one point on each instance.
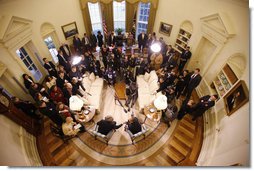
(93, 85)
(147, 86)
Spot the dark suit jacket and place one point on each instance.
(50, 111)
(100, 40)
(135, 126)
(203, 105)
(110, 41)
(194, 82)
(77, 43)
(28, 83)
(105, 126)
(65, 55)
(142, 41)
(49, 66)
(63, 62)
(93, 40)
(186, 55)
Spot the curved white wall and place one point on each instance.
(231, 144)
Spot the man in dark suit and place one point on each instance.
(107, 125)
(86, 43)
(111, 39)
(66, 51)
(205, 103)
(142, 40)
(93, 40)
(100, 39)
(193, 83)
(186, 55)
(50, 67)
(62, 61)
(77, 44)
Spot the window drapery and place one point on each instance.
(107, 13)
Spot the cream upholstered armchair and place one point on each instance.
(102, 137)
(136, 136)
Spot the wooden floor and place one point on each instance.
(182, 148)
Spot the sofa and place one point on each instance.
(93, 85)
(147, 86)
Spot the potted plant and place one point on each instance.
(119, 31)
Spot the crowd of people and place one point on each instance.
(114, 64)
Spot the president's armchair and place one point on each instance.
(138, 135)
(102, 137)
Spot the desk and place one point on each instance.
(153, 116)
(84, 118)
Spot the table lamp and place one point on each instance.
(160, 102)
(75, 103)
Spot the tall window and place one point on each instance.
(95, 16)
(52, 48)
(23, 55)
(142, 17)
(119, 15)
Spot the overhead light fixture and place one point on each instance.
(156, 47)
(76, 60)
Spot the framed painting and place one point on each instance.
(69, 30)
(236, 97)
(165, 28)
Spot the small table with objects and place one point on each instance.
(86, 115)
(152, 113)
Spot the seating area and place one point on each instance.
(139, 135)
(102, 137)
(93, 85)
(147, 86)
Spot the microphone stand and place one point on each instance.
(117, 98)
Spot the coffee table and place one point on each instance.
(120, 89)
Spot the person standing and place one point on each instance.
(62, 61)
(77, 44)
(66, 51)
(93, 41)
(142, 40)
(194, 82)
(86, 43)
(205, 103)
(100, 39)
(132, 95)
(183, 81)
(111, 39)
(50, 67)
(186, 107)
(186, 55)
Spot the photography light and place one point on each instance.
(156, 47)
(76, 60)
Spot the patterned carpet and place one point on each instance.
(124, 150)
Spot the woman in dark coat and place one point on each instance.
(27, 80)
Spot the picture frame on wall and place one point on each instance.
(165, 28)
(236, 97)
(69, 30)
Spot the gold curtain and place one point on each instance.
(151, 19)
(107, 14)
(107, 11)
(131, 9)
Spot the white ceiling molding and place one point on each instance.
(2, 69)
(217, 26)
(14, 30)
